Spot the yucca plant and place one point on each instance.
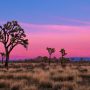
(50, 51)
(63, 53)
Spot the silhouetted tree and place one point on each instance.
(11, 35)
(63, 53)
(50, 51)
(3, 55)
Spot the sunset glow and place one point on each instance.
(58, 26)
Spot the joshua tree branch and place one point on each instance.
(12, 47)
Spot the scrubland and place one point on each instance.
(41, 76)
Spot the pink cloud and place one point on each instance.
(73, 20)
(54, 28)
(75, 39)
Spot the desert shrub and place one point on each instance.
(46, 68)
(19, 70)
(85, 79)
(85, 76)
(82, 70)
(34, 81)
(70, 88)
(2, 76)
(60, 71)
(4, 84)
(9, 76)
(80, 83)
(21, 77)
(3, 70)
(52, 73)
(30, 88)
(70, 78)
(18, 84)
(63, 65)
(45, 85)
(29, 79)
(57, 78)
(16, 66)
(67, 86)
(16, 87)
(41, 65)
(62, 78)
(30, 70)
(57, 86)
(31, 66)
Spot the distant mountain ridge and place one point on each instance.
(80, 58)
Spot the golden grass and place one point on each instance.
(29, 76)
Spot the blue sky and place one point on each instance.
(52, 23)
(45, 11)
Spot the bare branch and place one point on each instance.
(11, 34)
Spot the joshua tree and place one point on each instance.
(50, 51)
(63, 53)
(3, 55)
(11, 35)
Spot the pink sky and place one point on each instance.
(75, 40)
(50, 23)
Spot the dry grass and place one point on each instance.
(28, 76)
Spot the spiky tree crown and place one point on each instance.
(11, 34)
(50, 50)
(63, 52)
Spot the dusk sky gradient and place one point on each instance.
(50, 23)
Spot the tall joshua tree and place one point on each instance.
(50, 51)
(3, 55)
(11, 35)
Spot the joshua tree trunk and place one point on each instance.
(2, 59)
(62, 60)
(49, 59)
(7, 60)
(62, 57)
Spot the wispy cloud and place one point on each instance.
(45, 28)
(73, 20)
(75, 39)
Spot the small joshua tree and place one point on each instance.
(50, 51)
(3, 56)
(63, 53)
(11, 35)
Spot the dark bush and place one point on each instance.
(45, 86)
